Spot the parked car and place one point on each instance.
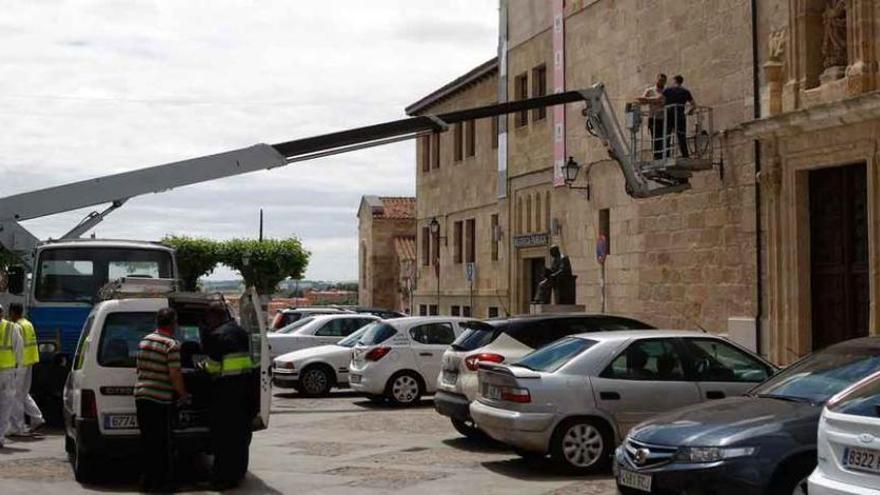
(764, 442)
(849, 442)
(285, 317)
(573, 399)
(316, 370)
(503, 341)
(399, 359)
(316, 330)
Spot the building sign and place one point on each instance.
(470, 271)
(558, 87)
(531, 240)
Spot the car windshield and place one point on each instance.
(553, 356)
(477, 334)
(819, 376)
(297, 324)
(376, 333)
(352, 339)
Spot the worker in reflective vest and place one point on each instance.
(11, 357)
(232, 404)
(24, 404)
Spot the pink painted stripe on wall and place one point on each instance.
(558, 87)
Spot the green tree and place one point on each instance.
(195, 258)
(264, 264)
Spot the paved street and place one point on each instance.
(343, 444)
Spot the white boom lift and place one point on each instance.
(644, 178)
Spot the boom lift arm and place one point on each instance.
(118, 188)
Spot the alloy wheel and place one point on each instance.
(405, 389)
(582, 445)
(315, 382)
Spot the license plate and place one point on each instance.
(862, 459)
(354, 378)
(120, 421)
(450, 377)
(638, 481)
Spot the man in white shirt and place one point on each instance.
(653, 97)
(11, 357)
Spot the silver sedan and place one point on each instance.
(576, 398)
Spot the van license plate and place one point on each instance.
(638, 481)
(120, 422)
(862, 459)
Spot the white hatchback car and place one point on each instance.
(849, 442)
(314, 371)
(400, 359)
(313, 331)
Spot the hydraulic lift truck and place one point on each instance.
(645, 175)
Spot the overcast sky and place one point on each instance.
(89, 88)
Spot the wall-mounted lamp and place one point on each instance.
(434, 225)
(570, 172)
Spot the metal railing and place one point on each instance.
(670, 134)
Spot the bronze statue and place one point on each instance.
(559, 279)
(834, 40)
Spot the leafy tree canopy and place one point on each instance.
(196, 258)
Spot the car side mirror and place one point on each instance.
(15, 280)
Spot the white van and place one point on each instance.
(99, 410)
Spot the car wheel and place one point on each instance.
(468, 429)
(84, 466)
(404, 389)
(315, 381)
(582, 445)
(792, 478)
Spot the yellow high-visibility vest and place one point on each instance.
(29, 334)
(7, 352)
(232, 364)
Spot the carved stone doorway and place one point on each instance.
(839, 254)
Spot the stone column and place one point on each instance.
(862, 69)
(770, 182)
(774, 74)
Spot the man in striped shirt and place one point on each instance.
(158, 381)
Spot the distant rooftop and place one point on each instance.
(390, 207)
(475, 75)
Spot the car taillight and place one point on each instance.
(520, 395)
(377, 353)
(88, 406)
(473, 362)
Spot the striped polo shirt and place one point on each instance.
(157, 354)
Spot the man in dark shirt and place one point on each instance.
(231, 408)
(676, 98)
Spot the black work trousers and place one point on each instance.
(154, 421)
(230, 415)
(658, 137)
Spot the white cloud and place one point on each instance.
(95, 87)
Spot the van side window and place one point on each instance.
(80, 347)
(121, 336)
(433, 334)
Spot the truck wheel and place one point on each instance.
(315, 382)
(84, 465)
(404, 389)
(468, 429)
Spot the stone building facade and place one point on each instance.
(386, 252)
(779, 241)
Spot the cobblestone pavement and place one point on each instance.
(339, 445)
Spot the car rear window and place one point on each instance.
(863, 400)
(120, 338)
(538, 332)
(297, 324)
(477, 334)
(377, 333)
(555, 355)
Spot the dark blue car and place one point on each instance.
(762, 443)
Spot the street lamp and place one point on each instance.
(570, 172)
(435, 226)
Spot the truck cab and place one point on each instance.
(98, 400)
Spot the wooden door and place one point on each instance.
(839, 254)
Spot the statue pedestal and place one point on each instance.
(543, 309)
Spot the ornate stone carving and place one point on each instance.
(834, 40)
(776, 45)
